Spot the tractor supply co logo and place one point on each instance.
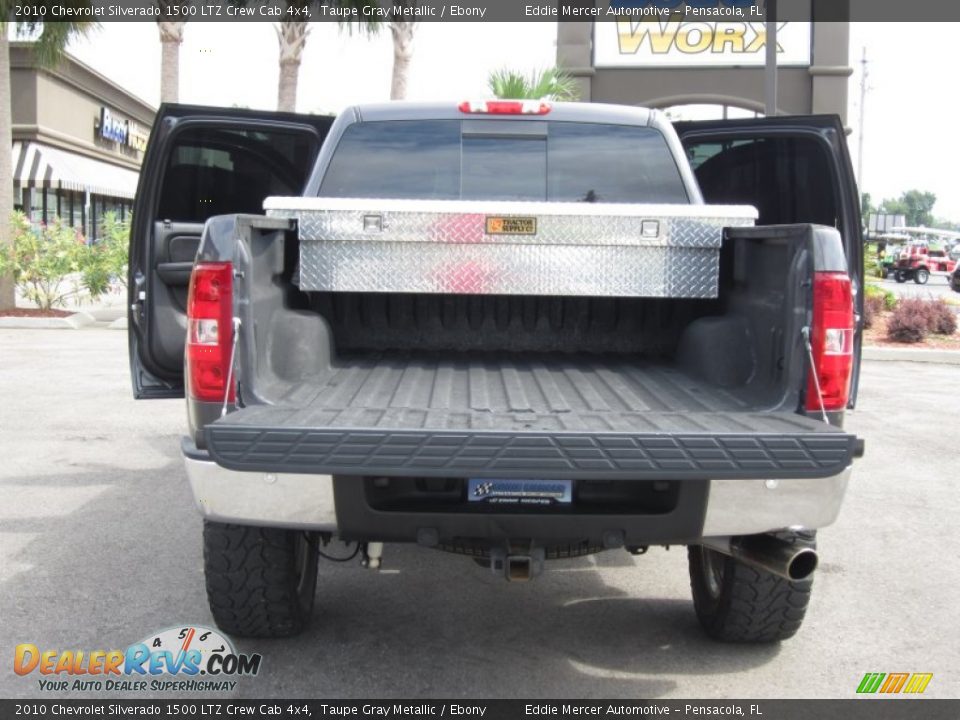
(180, 659)
(894, 683)
(691, 43)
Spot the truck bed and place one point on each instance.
(525, 416)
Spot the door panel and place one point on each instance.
(793, 169)
(200, 162)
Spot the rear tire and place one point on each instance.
(260, 581)
(900, 276)
(921, 276)
(737, 603)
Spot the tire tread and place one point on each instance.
(251, 580)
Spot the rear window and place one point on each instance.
(487, 160)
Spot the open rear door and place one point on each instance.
(793, 169)
(200, 162)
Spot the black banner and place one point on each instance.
(872, 708)
(663, 11)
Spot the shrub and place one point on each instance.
(941, 319)
(44, 256)
(40, 259)
(909, 323)
(889, 298)
(106, 259)
(873, 306)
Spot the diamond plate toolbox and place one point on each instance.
(509, 248)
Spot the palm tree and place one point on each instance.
(171, 37)
(292, 38)
(550, 84)
(47, 50)
(402, 32)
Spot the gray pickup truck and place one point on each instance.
(519, 331)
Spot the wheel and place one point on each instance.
(884, 273)
(737, 603)
(260, 581)
(900, 276)
(921, 276)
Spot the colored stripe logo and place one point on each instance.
(891, 683)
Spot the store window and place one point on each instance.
(52, 205)
(35, 203)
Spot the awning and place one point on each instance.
(41, 166)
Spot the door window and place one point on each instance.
(216, 171)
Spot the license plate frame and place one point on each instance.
(516, 492)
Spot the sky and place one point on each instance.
(911, 104)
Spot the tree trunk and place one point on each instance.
(171, 36)
(402, 32)
(7, 296)
(292, 37)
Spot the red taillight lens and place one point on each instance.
(831, 338)
(506, 107)
(210, 331)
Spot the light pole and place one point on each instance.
(770, 72)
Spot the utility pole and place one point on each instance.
(863, 98)
(770, 72)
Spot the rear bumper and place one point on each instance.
(739, 506)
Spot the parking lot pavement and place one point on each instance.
(100, 546)
(936, 287)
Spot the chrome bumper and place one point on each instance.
(734, 507)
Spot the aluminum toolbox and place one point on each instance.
(509, 248)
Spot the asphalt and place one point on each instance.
(100, 546)
(938, 286)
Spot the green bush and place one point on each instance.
(890, 299)
(106, 259)
(43, 256)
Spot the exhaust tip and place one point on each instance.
(803, 564)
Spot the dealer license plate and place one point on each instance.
(520, 492)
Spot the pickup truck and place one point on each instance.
(518, 331)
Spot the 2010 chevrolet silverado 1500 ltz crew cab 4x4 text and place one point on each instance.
(517, 331)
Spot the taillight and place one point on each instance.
(506, 107)
(210, 330)
(831, 340)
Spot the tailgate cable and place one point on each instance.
(233, 358)
(813, 371)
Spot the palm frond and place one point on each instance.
(550, 84)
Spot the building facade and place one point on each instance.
(664, 64)
(78, 142)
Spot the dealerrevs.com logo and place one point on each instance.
(182, 659)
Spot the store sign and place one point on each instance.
(683, 43)
(121, 131)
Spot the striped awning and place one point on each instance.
(41, 166)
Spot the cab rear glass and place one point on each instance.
(453, 160)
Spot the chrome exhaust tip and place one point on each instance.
(769, 553)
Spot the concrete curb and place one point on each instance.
(883, 354)
(71, 322)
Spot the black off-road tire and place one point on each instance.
(737, 603)
(921, 276)
(260, 581)
(900, 276)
